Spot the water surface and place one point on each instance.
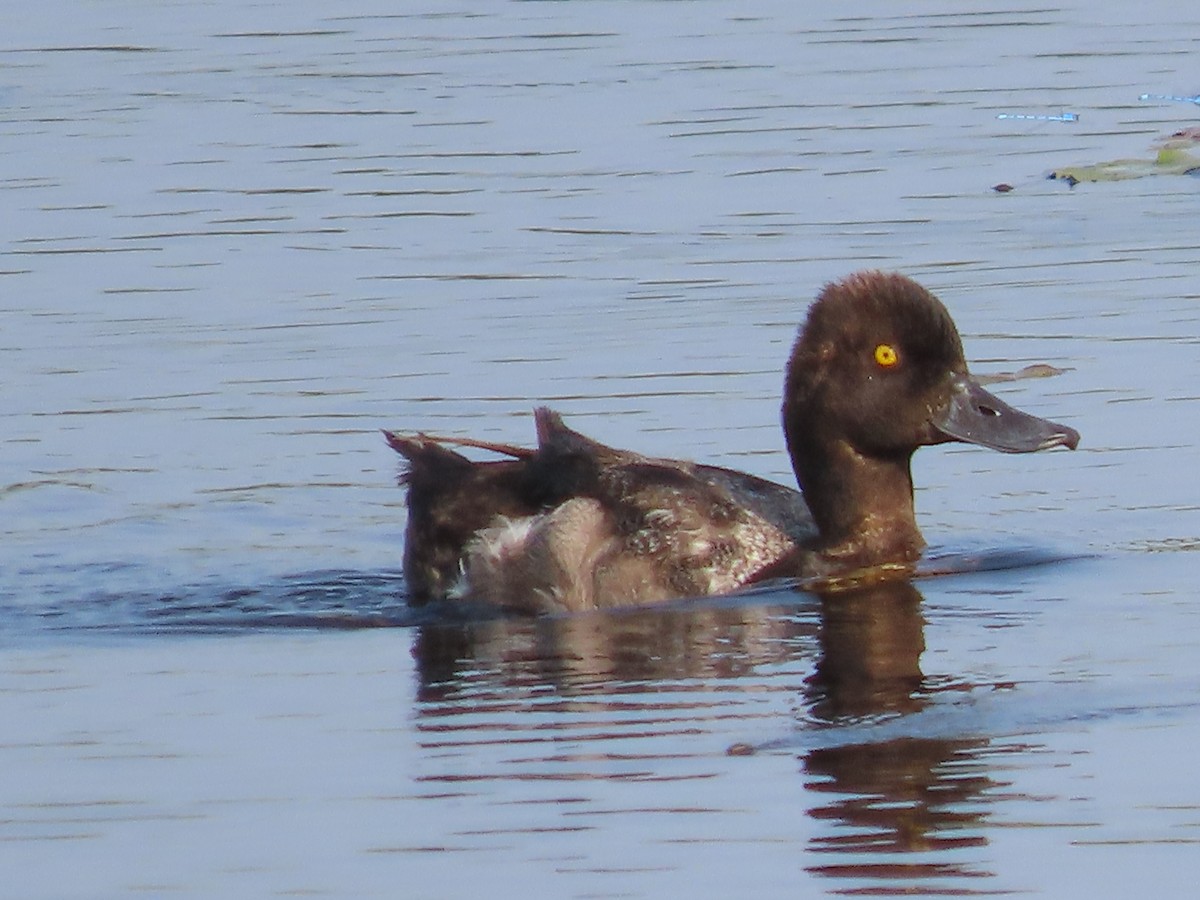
(236, 241)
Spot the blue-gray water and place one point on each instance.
(236, 240)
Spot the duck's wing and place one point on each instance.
(699, 529)
(644, 531)
(783, 507)
(702, 532)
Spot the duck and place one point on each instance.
(876, 371)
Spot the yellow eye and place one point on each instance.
(886, 356)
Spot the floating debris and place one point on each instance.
(1034, 370)
(1002, 188)
(1171, 97)
(1061, 117)
(1176, 154)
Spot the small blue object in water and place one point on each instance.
(1061, 117)
(1172, 97)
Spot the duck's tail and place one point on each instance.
(450, 498)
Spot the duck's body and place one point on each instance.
(576, 524)
(877, 371)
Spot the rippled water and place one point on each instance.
(236, 240)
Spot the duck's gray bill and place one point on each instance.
(977, 417)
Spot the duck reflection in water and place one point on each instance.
(871, 641)
(584, 653)
(672, 675)
(895, 796)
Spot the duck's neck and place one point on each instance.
(862, 505)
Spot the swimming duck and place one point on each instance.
(876, 371)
